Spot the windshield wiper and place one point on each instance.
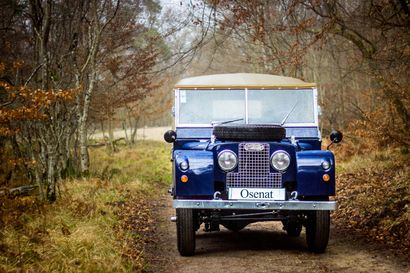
(213, 123)
(290, 112)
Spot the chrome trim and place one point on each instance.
(231, 152)
(324, 162)
(276, 152)
(184, 169)
(258, 205)
(254, 170)
(217, 195)
(294, 195)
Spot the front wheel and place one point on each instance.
(317, 230)
(185, 232)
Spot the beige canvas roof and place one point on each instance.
(242, 80)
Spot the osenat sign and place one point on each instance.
(256, 194)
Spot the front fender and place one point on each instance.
(200, 173)
(310, 173)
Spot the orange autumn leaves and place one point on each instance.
(19, 103)
(23, 112)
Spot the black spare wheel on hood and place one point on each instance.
(264, 132)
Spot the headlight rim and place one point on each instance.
(276, 152)
(236, 160)
(323, 162)
(180, 165)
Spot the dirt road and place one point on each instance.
(264, 247)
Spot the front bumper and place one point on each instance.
(258, 205)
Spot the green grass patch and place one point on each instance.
(148, 163)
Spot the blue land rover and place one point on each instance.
(247, 148)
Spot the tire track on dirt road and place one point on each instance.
(265, 247)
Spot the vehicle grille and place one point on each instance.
(254, 170)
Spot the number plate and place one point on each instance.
(256, 194)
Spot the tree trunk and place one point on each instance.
(51, 175)
(102, 128)
(38, 180)
(390, 94)
(45, 31)
(84, 156)
(124, 127)
(41, 25)
(134, 130)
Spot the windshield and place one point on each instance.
(273, 106)
(206, 107)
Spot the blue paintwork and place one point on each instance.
(310, 172)
(194, 146)
(309, 144)
(200, 173)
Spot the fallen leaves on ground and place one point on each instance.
(136, 229)
(375, 202)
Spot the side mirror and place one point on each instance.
(170, 136)
(335, 136)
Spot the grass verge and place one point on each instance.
(100, 224)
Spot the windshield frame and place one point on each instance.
(192, 125)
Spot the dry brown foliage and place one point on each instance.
(136, 229)
(373, 192)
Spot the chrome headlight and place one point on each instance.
(326, 165)
(227, 160)
(280, 160)
(184, 165)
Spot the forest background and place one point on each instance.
(69, 68)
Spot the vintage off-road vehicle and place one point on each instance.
(247, 148)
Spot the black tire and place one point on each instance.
(249, 132)
(185, 232)
(234, 226)
(293, 229)
(317, 230)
